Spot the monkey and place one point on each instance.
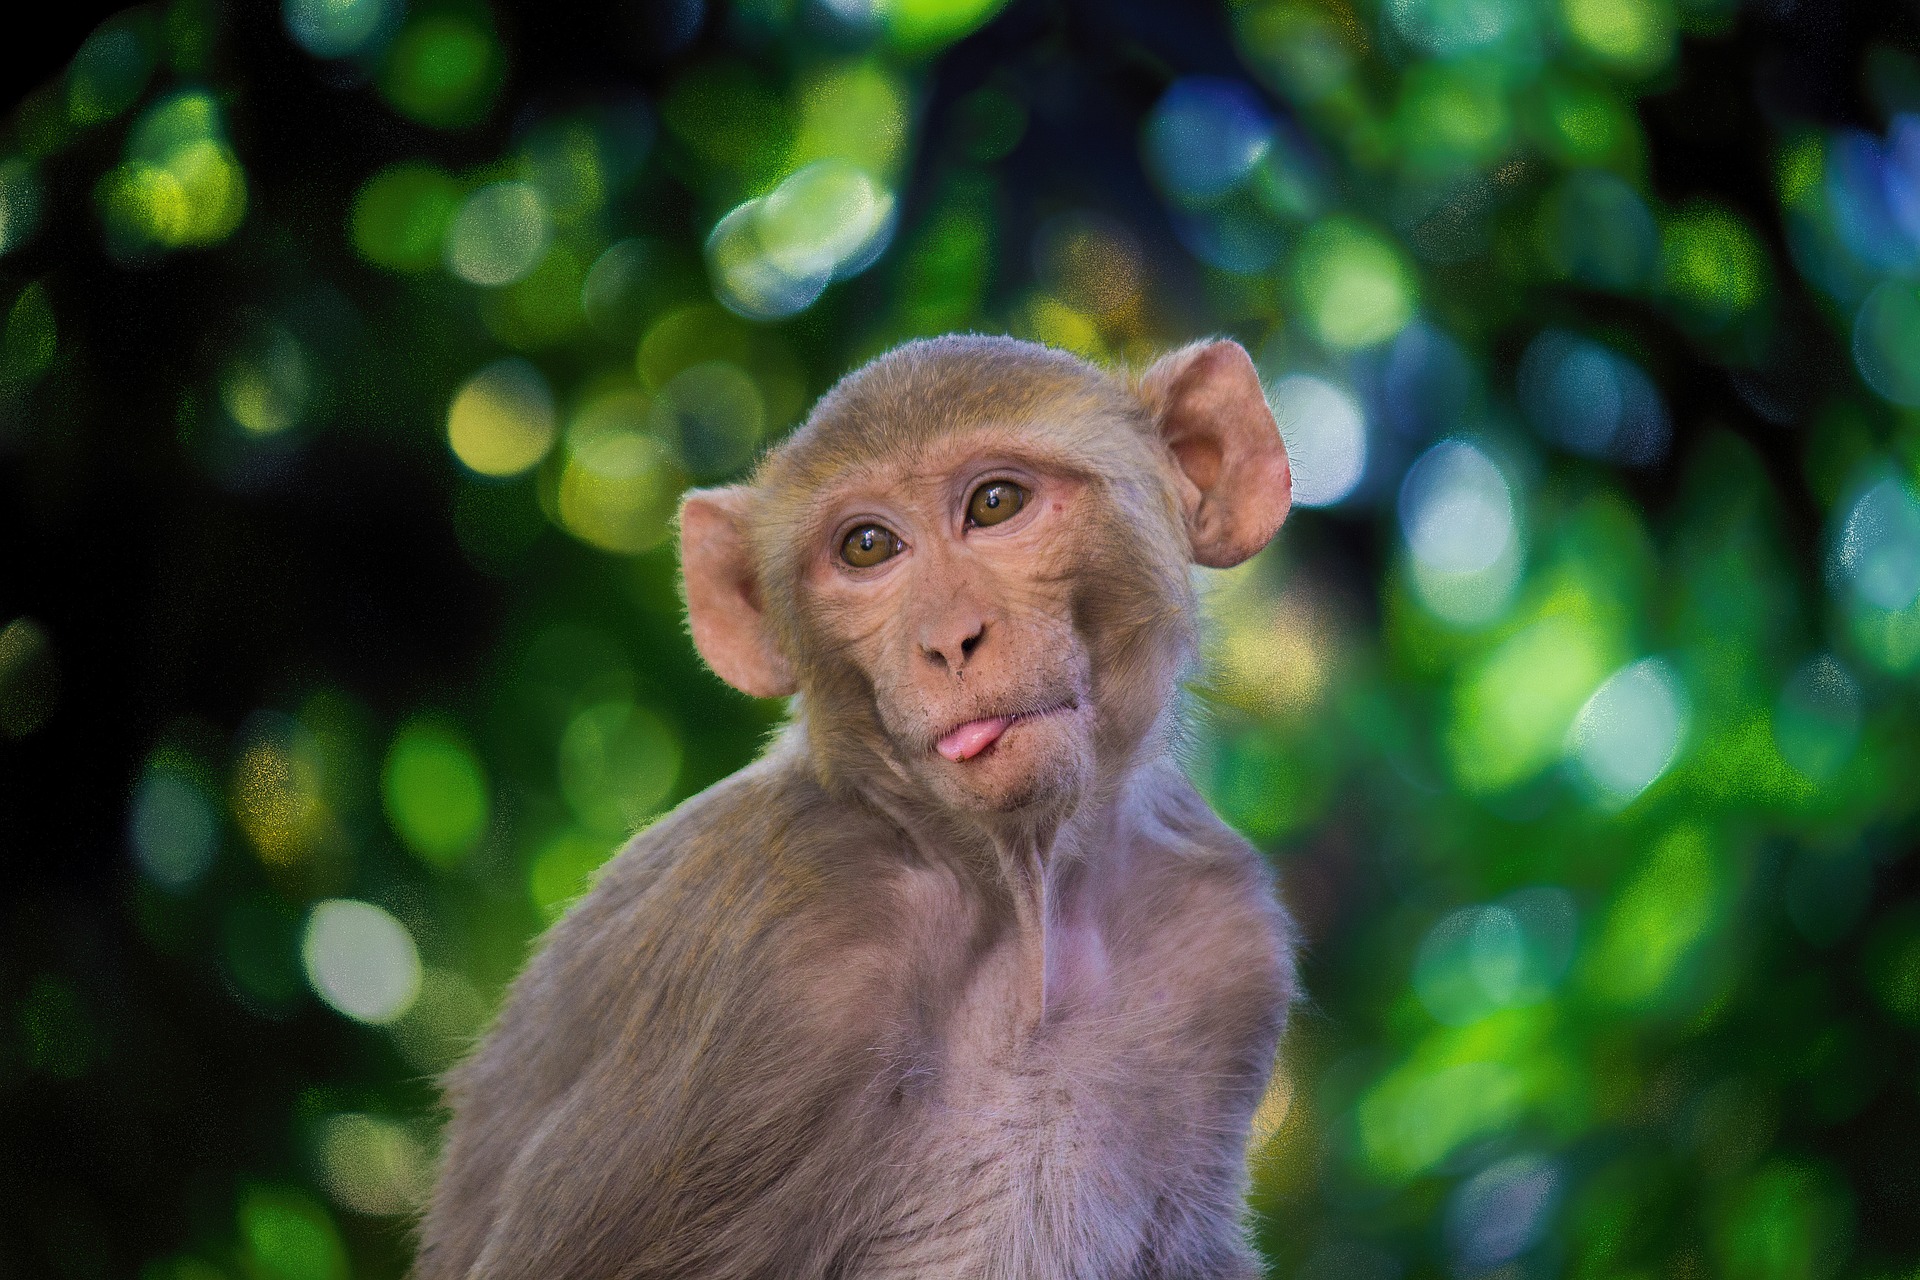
(961, 977)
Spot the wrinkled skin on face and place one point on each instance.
(966, 634)
(1042, 648)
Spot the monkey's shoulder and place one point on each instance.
(1206, 901)
(716, 901)
(755, 856)
(1187, 846)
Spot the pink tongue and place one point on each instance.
(971, 738)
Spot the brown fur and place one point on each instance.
(862, 1011)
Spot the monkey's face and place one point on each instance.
(944, 589)
(972, 560)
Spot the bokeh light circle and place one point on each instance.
(1630, 731)
(1877, 551)
(19, 203)
(1456, 509)
(435, 790)
(1500, 955)
(360, 960)
(1452, 27)
(1355, 287)
(1205, 135)
(1634, 36)
(1500, 1213)
(1326, 437)
(774, 255)
(401, 214)
(172, 829)
(373, 1165)
(1591, 400)
(1599, 231)
(499, 235)
(714, 416)
(501, 422)
(618, 763)
(335, 28)
(621, 482)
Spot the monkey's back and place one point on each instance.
(773, 1041)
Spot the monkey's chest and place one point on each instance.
(1065, 1147)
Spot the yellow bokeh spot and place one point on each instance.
(180, 186)
(249, 398)
(444, 1021)
(1271, 654)
(1356, 290)
(1270, 1116)
(1712, 261)
(277, 800)
(502, 421)
(1635, 36)
(147, 202)
(373, 1165)
(265, 389)
(1057, 324)
(621, 483)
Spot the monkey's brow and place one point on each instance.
(945, 467)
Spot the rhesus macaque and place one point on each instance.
(960, 978)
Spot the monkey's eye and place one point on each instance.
(995, 501)
(868, 546)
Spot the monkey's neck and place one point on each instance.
(1041, 879)
(1038, 869)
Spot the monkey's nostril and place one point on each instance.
(951, 653)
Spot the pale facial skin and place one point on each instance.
(961, 978)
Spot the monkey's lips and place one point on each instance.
(975, 736)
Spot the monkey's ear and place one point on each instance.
(1236, 486)
(723, 599)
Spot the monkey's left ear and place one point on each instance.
(1235, 485)
(723, 598)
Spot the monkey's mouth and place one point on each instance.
(966, 741)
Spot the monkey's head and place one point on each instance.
(972, 561)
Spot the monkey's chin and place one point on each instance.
(1039, 760)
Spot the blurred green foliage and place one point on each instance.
(354, 354)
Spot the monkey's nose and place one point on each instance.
(948, 647)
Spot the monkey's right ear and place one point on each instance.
(723, 599)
